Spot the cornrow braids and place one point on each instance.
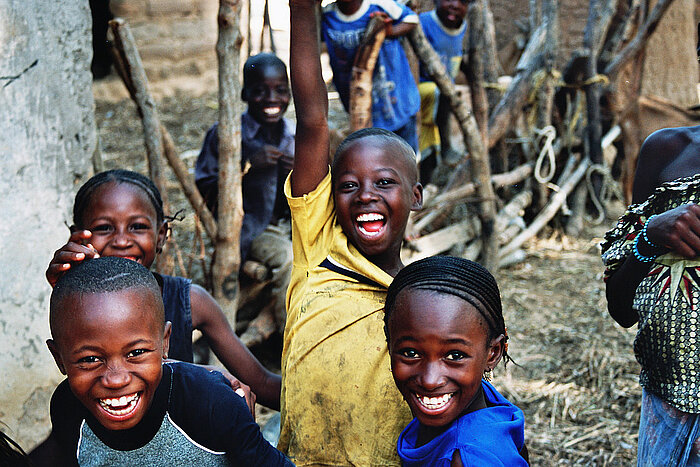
(84, 195)
(460, 277)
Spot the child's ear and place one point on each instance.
(244, 95)
(51, 344)
(73, 228)
(495, 352)
(417, 197)
(162, 236)
(166, 338)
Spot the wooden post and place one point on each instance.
(470, 131)
(362, 73)
(481, 163)
(130, 68)
(230, 211)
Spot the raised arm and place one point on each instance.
(310, 99)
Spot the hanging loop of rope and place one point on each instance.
(547, 133)
(608, 189)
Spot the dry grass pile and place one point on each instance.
(577, 377)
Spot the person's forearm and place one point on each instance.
(310, 99)
(401, 29)
(620, 289)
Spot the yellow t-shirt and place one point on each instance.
(339, 402)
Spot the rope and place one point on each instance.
(548, 133)
(609, 189)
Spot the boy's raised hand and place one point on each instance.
(310, 99)
(77, 249)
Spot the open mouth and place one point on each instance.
(120, 407)
(272, 111)
(371, 224)
(434, 403)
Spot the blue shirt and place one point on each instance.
(447, 42)
(395, 97)
(261, 186)
(492, 436)
(195, 418)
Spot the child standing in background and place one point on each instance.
(444, 27)
(395, 98)
(339, 403)
(120, 213)
(445, 329)
(267, 144)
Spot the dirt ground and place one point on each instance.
(575, 377)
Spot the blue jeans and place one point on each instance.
(667, 436)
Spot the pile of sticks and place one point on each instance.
(544, 132)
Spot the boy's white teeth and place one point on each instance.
(373, 216)
(271, 110)
(434, 403)
(120, 405)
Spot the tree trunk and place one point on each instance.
(227, 243)
(130, 68)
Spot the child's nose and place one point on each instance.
(116, 376)
(121, 238)
(366, 194)
(432, 377)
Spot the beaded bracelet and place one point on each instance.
(638, 255)
(644, 233)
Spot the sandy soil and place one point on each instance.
(575, 378)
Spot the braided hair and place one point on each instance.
(84, 195)
(460, 277)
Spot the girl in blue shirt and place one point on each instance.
(445, 330)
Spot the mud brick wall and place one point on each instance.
(174, 37)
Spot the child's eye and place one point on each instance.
(385, 182)
(140, 226)
(90, 359)
(455, 355)
(137, 353)
(101, 228)
(345, 186)
(409, 353)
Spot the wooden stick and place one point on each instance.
(515, 97)
(639, 40)
(228, 255)
(188, 185)
(130, 69)
(450, 198)
(138, 88)
(549, 211)
(362, 73)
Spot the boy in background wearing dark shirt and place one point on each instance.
(120, 404)
(268, 146)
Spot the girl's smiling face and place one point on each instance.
(440, 348)
(124, 223)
